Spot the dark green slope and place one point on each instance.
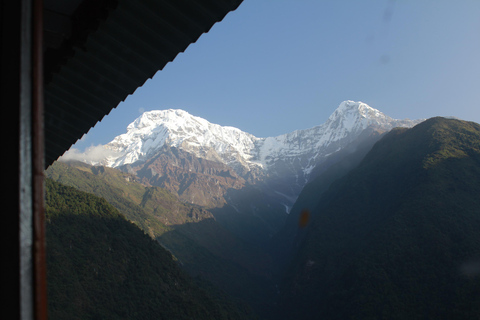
(285, 242)
(157, 211)
(100, 266)
(202, 246)
(118, 188)
(399, 236)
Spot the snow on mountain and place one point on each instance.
(350, 118)
(177, 128)
(346, 122)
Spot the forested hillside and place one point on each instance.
(101, 266)
(202, 246)
(397, 237)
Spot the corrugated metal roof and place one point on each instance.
(122, 44)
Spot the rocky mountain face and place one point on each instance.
(195, 180)
(396, 236)
(220, 168)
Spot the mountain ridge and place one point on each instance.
(234, 147)
(391, 238)
(283, 164)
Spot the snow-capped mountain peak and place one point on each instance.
(282, 164)
(352, 115)
(177, 128)
(341, 128)
(149, 132)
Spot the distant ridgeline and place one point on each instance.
(100, 266)
(398, 237)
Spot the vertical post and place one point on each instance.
(39, 237)
(25, 163)
(23, 283)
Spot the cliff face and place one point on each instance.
(195, 180)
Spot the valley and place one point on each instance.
(388, 203)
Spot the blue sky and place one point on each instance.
(274, 66)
